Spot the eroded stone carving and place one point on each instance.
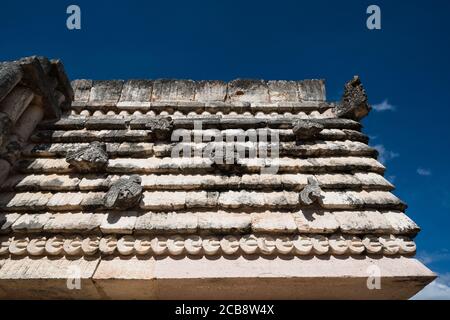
(306, 129)
(354, 104)
(311, 193)
(124, 194)
(209, 245)
(89, 158)
(160, 129)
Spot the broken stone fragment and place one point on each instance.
(306, 129)
(311, 193)
(161, 128)
(10, 75)
(354, 104)
(89, 158)
(124, 194)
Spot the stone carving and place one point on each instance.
(311, 192)
(160, 129)
(354, 104)
(306, 129)
(91, 158)
(209, 245)
(124, 194)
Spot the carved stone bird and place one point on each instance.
(124, 194)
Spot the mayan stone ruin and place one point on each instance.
(181, 189)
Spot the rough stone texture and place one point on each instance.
(173, 90)
(273, 222)
(74, 222)
(6, 221)
(15, 103)
(354, 104)
(119, 224)
(243, 90)
(400, 223)
(5, 127)
(170, 222)
(311, 90)
(160, 129)
(315, 221)
(210, 91)
(224, 223)
(89, 158)
(28, 122)
(105, 92)
(10, 75)
(31, 222)
(136, 93)
(124, 194)
(306, 130)
(82, 90)
(362, 222)
(282, 91)
(5, 166)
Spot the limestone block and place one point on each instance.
(135, 92)
(223, 222)
(342, 200)
(362, 222)
(282, 91)
(210, 91)
(170, 222)
(242, 90)
(311, 90)
(95, 182)
(201, 199)
(65, 201)
(56, 182)
(372, 180)
(93, 201)
(140, 149)
(45, 166)
(173, 90)
(10, 75)
(273, 222)
(74, 222)
(15, 103)
(6, 221)
(400, 223)
(338, 181)
(105, 92)
(28, 201)
(381, 199)
(315, 221)
(82, 90)
(119, 224)
(163, 200)
(28, 122)
(31, 222)
(4, 170)
(105, 124)
(236, 199)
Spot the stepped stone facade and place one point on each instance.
(180, 189)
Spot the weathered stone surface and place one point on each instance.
(173, 90)
(354, 104)
(119, 224)
(10, 75)
(170, 222)
(5, 127)
(89, 158)
(160, 200)
(65, 201)
(311, 90)
(400, 223)
(28, 122)
(210, 91)
(245, 90)
(30, 222)
(283, 91)
(105, 92)
(124, 194)
(161, 128)
(306, 130)
(15, 103)
(273, 222)
(224, 223)
(6, 221)
(63, 84)
(5, 166)
(135, 91)
(74, 222)
(315, 221)
(362, 222)
(25, 201)
(82, 90)
(311, 193)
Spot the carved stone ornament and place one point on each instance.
(311, 192)
(354, 104)
(306, 129)
(89, 158)
(124, 194)
(160, 129)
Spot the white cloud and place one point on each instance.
(436, 290)
(424, 172)
(385, 155)
(384, 106)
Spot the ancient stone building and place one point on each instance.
(181, 190)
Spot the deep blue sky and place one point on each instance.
(407, 63)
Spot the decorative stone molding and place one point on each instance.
(124, 194)
(306, 129)
(161, 128)
(354, 104)
(91, 158)
(174, 245)
(311, 193)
